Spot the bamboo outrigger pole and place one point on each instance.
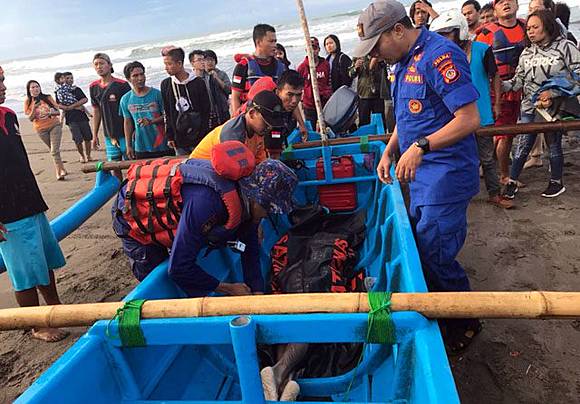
(531, 305)
(312, 66)
(541, 127)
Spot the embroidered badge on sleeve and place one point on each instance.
(445, 66)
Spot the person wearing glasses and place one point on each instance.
(323, 79)
(264, 117)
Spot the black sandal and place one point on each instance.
(458, 339)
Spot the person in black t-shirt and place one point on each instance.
(186, 103)
(262, 63)
(76, 118)
(106, 94)
(28, 246)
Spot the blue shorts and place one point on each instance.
(30, 251)
(115, 153)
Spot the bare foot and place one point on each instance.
(269, 384)
(291, 391)
(49, 334)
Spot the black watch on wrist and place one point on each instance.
(423, 143)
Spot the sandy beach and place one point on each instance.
(533, 247)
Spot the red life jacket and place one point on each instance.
(153, 192)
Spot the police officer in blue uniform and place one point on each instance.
(436, 116)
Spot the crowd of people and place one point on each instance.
(445, 75)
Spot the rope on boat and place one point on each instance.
(129, 324)
(380, 329)
(364, 144)
(380, 326)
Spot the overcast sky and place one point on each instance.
(40, 27)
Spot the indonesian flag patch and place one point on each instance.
(237, 79)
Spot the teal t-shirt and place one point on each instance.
(147, 138)
(480, 77)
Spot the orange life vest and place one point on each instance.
(153, 199)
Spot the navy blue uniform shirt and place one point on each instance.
(431, 83)
(203, 205)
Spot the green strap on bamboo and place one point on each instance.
(380, 329)
(380, 326)
(288, 153)
(364, 143)
(129, 324)
(99, 166)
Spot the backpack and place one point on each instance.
(188, 122)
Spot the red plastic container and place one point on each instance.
(340, 197)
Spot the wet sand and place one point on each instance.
(533, 247)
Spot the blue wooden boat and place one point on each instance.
(209, 360)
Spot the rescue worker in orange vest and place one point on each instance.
(215, 212)
(262, 121)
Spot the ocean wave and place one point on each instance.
(225, 44)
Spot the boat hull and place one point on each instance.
(214, 359)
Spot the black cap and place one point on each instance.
(270, 106)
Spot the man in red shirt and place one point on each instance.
(323, 79)
(507, 38)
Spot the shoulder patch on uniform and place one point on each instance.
(450, 73)
(440, 59)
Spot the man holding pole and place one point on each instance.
(435, 107)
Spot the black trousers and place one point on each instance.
(312, 116)
(366, 106)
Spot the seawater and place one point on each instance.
(225, 44)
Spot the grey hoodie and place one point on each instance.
(538, 64)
